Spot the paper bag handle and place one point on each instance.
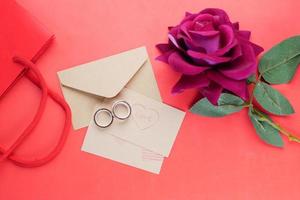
(37, 78)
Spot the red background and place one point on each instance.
(211, 159)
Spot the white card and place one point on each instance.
(114, 148)
(152, 124)
(142, 140)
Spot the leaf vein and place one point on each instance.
(280, 63)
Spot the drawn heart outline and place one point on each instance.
(144, 117)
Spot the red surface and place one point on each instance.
(211, 159)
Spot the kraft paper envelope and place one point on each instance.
(86, 85)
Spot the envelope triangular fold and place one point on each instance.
(115, 71)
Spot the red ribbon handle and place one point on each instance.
(39, 81)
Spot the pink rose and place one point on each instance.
(211, 53)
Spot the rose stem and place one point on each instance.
(283, 131)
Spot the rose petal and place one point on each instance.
(218, 12)
(187, 14)
(210, 59)
(209, 43)
(244, 34)
(236, 25)
(227, 35)
(204, 26)
(189, 17)
(226, 49)
(174, 31)
(185, 27)
(257, 49)
(228, 40)
(191, 45)
(203, 41)
(165, 57)
(204, 33)
(175, 43)
(170, 27)
(190, 82)
(242, 67)
(203, 22)
(182, 66)
(236, 52)
(203, 17)
(238, 87)
(163, 47)
(212, 92)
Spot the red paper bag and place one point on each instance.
(22, 35)
(23, 39)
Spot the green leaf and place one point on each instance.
(271, 100)
(251, 79)
(265, 131)
(227, 104)
(279, 64)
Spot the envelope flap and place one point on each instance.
(105, 77)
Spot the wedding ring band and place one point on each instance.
(97, 116)
(117, 112)
(123, 104)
